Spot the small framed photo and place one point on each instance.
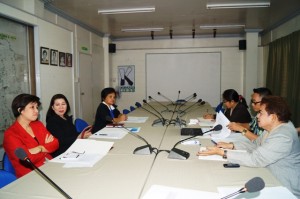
(44, 55)
(53, 57)
(62, 59)
(69, 59)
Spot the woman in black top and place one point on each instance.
(236, 108)
(60, 124)
(107, 113)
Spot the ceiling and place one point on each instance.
(178, 16)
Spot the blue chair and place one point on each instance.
(132, 108)
(6, 178)
(126, 111)
(80, 124)
(220, 108)
(7, 166)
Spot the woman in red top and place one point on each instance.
(28, 133)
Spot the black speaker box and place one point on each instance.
(112, 48)
(242, 44)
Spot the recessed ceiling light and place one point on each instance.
(142, 29)
(126, 10)
(238, 5)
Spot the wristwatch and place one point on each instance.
(244, 131)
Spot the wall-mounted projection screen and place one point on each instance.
(188, 73)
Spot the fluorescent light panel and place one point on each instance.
(232, 26)
(238, 5)
(141, 29)
(126, 10)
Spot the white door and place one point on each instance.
(85, 86)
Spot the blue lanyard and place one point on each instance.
(111, 113)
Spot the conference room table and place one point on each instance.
(124, 175)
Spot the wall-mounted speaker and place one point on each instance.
(112, 48)
(242, 44)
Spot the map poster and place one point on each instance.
(14, 68)
(126, 78)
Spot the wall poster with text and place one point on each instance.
(126, 78)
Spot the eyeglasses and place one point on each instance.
(253, 102)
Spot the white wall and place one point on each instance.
(55, 32)
(134, 53)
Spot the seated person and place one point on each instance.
(29, 134)
(278, 148)
(107, 113)
(60, 124)
(252, 130)
(236, 108)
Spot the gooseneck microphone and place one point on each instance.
(158, 122)
(22, 155)
(183, 155)
(184, 111)
(162, 119)
(167, 109)
(172, 103)
(142, 150)
(253, 185)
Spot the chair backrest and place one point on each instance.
(126, 111)
(220, 108)
(80, 124)
(7, 166)
(6, 178)
(132, 108)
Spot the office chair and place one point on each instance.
(132, 108)
(7, 166)
(80, 124)
(220, 108)
(126, 111)
(6, 178)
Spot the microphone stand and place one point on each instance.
(172, 103)
(178, 121)
(235, 193)
(167, 109)
(48, 179)
(157, 122)
(183, 155)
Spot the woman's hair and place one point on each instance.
(105, 92)
(51, 112)
(18, 104)
(231, 94)
(262, 91)
(278, 106)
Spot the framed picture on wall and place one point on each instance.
(44, 55)
(69, 59)
(62, 59)
(53, 57)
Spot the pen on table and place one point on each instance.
(214, 142)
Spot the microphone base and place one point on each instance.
(178, 154)
(178, 122)
(158, 122)
(143, 150)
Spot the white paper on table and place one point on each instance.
(267, 193)
(223, 120)
(110, 133)
(131, 119)
(166, 192)
(91, 151)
